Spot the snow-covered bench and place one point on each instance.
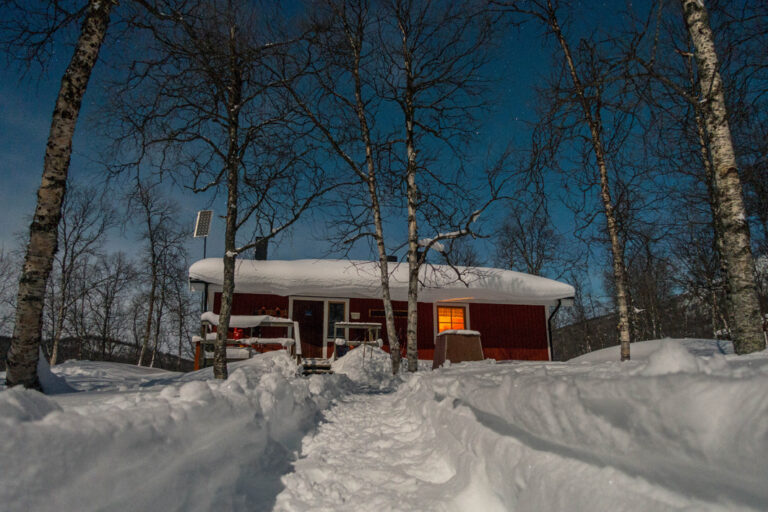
(245, 347)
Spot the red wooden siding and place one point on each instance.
(511, 331)
(252, 304)
(426, 331)
(507, 331)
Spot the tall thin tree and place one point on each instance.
(742, 292)
(22, 358)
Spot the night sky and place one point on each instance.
(26, 103)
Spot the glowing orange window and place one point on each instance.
(450, 318)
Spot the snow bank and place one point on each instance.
(673, 432)
(642, 349)
(159, 440)
(345, 278)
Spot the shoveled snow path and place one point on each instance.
(370, 453)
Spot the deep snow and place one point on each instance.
(683, 426)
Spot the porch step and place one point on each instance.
(315, 365)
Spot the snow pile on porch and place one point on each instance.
(245, 321)
(345, 278)
(369, 366)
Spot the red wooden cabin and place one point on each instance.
(510, 310)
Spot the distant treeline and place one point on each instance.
(74, 348)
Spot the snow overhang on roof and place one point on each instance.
(361, 279)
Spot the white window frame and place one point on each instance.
(325, 301)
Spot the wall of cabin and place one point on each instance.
(508, 331)
(368, 309)
(254, 304)
(511, 331)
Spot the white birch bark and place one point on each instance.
(152, 294)
(594, 124)
(743, 304)
(412, 194)
(234, 102)
(370, 179)
(21, 361)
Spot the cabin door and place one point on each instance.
(309, 314)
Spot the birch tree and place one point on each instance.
(200, 105)
(9, 279)
(527, 240)
(182, 310)
(21, 361)
(163, 239)
(336, 72)
(82, 230)
(742, 292)
(116, 278)
(587, 96)
(434, 55)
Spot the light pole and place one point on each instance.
(202, 228)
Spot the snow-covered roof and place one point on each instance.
(361, 279)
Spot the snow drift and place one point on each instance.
(683, 426)
(165, 442)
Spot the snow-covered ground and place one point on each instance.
(683, 426)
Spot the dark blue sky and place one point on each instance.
(26, 103)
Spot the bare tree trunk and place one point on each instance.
(617, 247)
(21, 362)
(181, 312)
(57, 333)
(230, 250)
(412, 193)
(227, 292)
(389, 314)
(743, 304)
(104, 336)
(158, 321)
(413, 270)
(709, 180)
(151, 309)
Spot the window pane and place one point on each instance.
(336, 312)
(450, 318)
